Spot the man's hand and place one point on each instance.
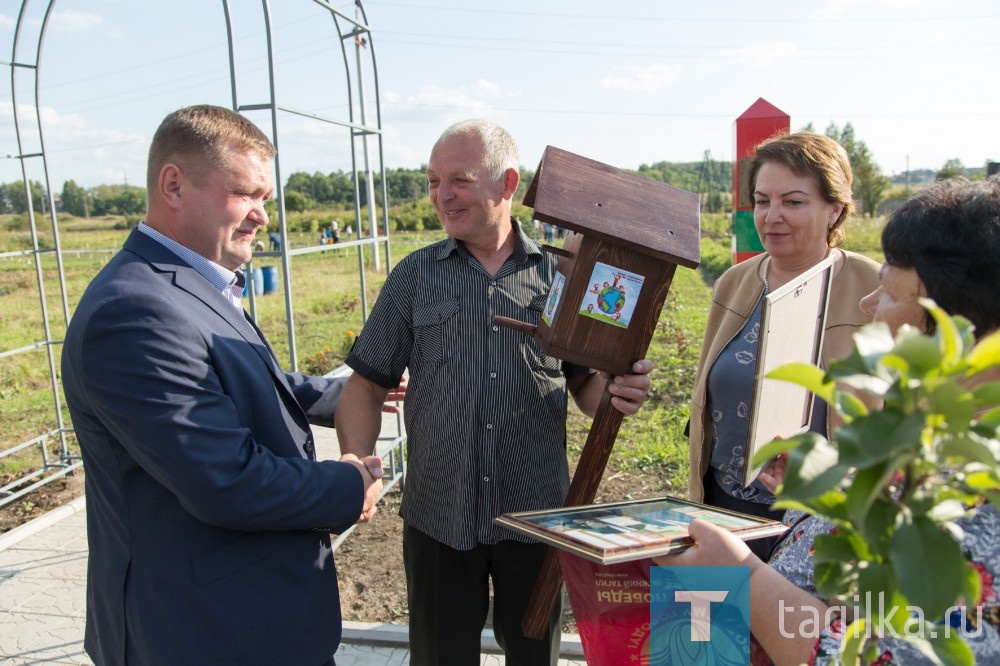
(397, 394)
(370, 468)
(628, 391)
(631, 390)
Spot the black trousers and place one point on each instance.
(448, 591)
(716, 496)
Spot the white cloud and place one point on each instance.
(74, 149)
(52, 120)
(409, 145)
(488, 87)
(6, 22)
(851, 7)
(74, 21)
(633, 78)
(495, 90)
(64, 126)
(840, 7)
(437, 101)
(768, 54)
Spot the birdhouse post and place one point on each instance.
(613, 276)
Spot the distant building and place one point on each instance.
(916, 177)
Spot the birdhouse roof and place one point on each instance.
(616, 206)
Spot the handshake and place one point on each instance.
(370, 468)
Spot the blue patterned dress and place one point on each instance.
(979, 626)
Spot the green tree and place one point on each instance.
(953, 168)
(870, 184)
(402, 185)
(522, 187)
(299, 181)
(131, 201)
(322, 188)
(14, 201)
(74, 199)
(6, 198)
(342, 189)
(844, 137)
(296, 202)
(117, 200)
(705, 177)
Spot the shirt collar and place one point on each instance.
(524, 247)
(219, 277)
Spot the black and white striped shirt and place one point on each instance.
(485, 408)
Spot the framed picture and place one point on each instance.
(791, 329)
(624, 531)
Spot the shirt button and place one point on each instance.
(489, 426)
(496, 328)
(493, 284)
(486, 479)
(493, 375)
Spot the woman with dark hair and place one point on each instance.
(944, 243)
(801, 189)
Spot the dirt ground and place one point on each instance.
(369, 562)
(48, 497)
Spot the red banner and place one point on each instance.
(611, 607)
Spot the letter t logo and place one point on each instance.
(701, 610)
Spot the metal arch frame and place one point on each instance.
(67, 462)
(357, 33)
(360, 35)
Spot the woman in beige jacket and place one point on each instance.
(801, 189)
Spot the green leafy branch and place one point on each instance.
(895, 480)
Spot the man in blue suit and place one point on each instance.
(208, 515)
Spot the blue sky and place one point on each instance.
(622, 83)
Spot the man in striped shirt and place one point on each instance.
(485, 408)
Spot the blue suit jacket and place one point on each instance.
(208, 527)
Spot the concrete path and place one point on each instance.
(43, 577)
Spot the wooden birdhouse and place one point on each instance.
(614, 271)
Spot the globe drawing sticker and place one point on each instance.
(555, 293)
(612, 295)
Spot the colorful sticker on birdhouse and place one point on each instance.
(612, 295)
(552, 302)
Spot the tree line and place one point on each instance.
(96, 201)
(304, 191)
(338, 189)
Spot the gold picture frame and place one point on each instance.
(633, 530)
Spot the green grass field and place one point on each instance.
(328, 314)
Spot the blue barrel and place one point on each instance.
(270, 279)
(257, 280)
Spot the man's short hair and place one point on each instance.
(499, 148)
(199, 138)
